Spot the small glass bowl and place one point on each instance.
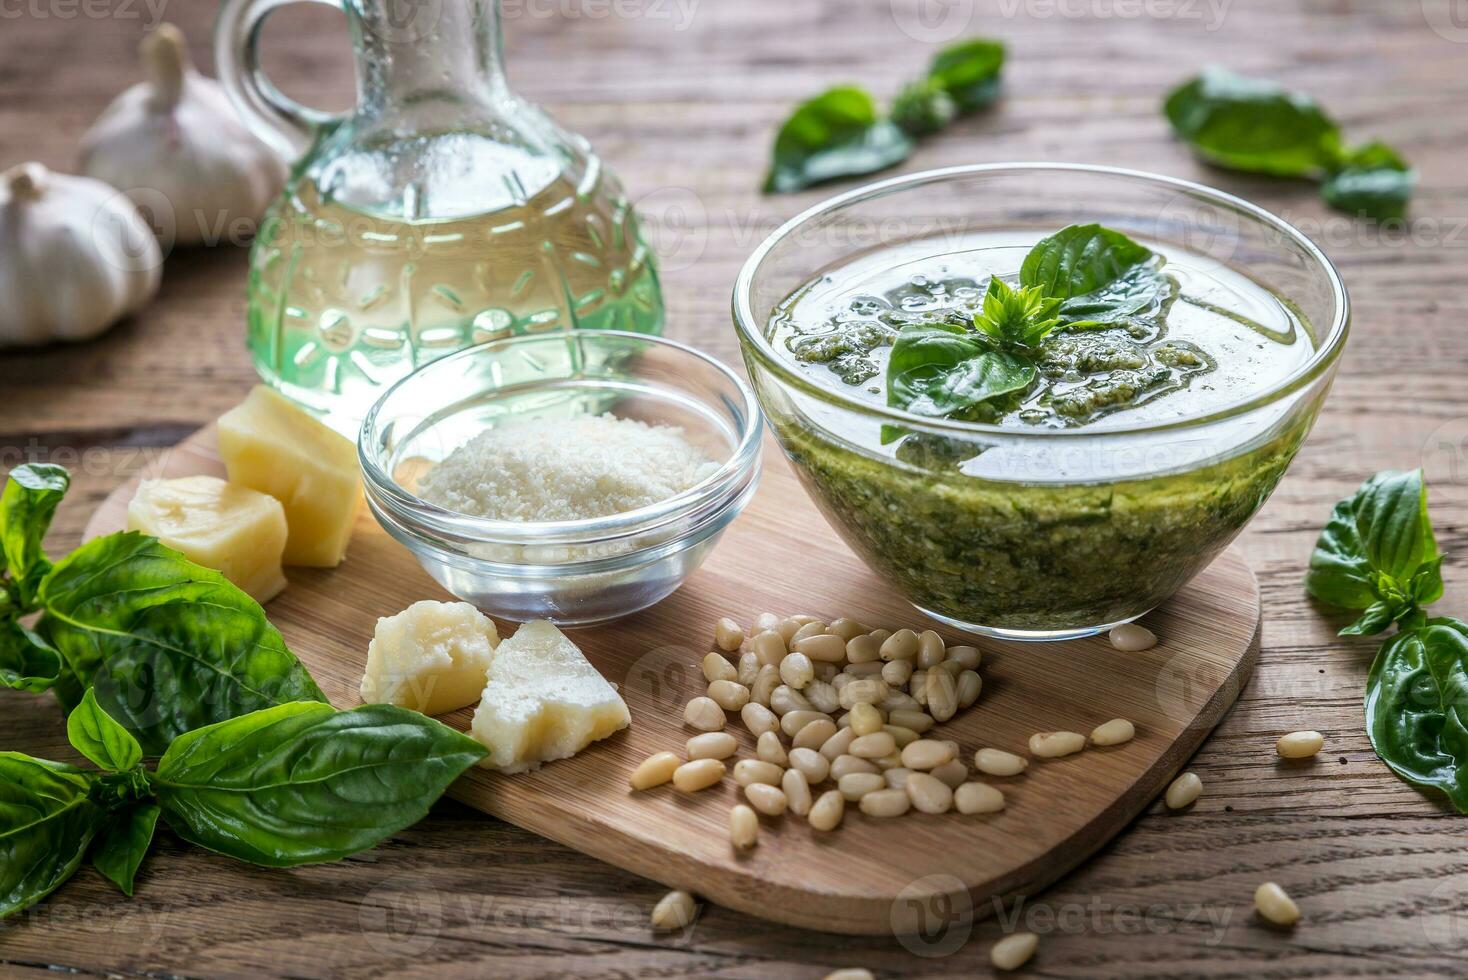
(570, 572)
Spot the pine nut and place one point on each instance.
(1117, 731)
(769, 647)
(1299, 745)
(728, 634)
(951, 667)
(902, 645)
(1131, 638)
(855, 785)
(837, 744)
(1053, 745)
(952, 773)
(764, 685)
(931, 651)
(865, 719)
(1014, 951)
(717, 668)
(743, 827)
(926, 753)
(885, 803)
(1275, 905)
(942, 695)
(969, 686)
(748, 668)
(902, 736)
(928, 794)
(863, 650)
(918, 721)
(870, 669)
(698, 774)
(900, 701)
(873, 746)
(797, 671)
(673, 911)
(765, 621)
(825, 673)
(712, 745)
(758, 719)
(797, 791)
(868, 690)
(840, 681)
(880, 635)
(825, 647)
(822, 696)
(785, 699)
(1184, 791)
(893, 761)
(997, 762)
(826, 812)
(846, 628)
(815, 734)
(793, 721)
(849, 973)
(897, 672)
(787, 629)
(972, 798)
(897, 777)
(654, 770)
(815, 766)
(770, 749)
(704, 714)
(750, 771)
(844, 765)
(816, 628)
(969, 657)
(805, 619)
(729, 695)
(767, 799)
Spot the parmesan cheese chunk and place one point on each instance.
(270, 445)
(432, 657)
(544, 701)
(237, 531)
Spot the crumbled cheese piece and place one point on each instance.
(432, 657)
(237, 531)
(544, 701)
(550, 469)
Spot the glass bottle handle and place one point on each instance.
(282, 122)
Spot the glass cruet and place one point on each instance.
(442, 211)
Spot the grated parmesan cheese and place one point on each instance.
(550, 469)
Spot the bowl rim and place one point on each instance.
(755, 343)
(419, 516)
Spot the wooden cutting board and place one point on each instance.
(871, 876)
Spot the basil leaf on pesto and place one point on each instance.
(834, 135)
(1081, 259)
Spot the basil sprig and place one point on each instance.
(293, 784)
(1256, 126)
(1378, 555)
(1082, 277)
(840, 134)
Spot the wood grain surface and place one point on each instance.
(683, 108)
(1174, 693)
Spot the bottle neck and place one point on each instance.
(427, 54)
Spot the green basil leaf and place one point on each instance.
(27, 662)
(95, 734)
(1340, 573)
(27, 505)
(938, 371)
(836, 134)
(302, 783)
(923, 108)
(1377, 617)
(969, 72)
(121, 847)
(1016, 320)
(1391, 518)
(1374, 182)
(1426, 586)
(47, 820)
(1143, 291)
(168, 646)
(1080, 259)
(1253, 125)
(1417, 707)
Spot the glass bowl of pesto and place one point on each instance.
(1039, 398)
(576, 476)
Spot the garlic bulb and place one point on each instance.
(75, 257)
(174, 144)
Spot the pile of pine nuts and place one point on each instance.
(858, 708)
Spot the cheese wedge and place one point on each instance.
(432, 657)
(271, 445)
(544, 701)
(235, 530)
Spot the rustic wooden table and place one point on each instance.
(681, 98)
